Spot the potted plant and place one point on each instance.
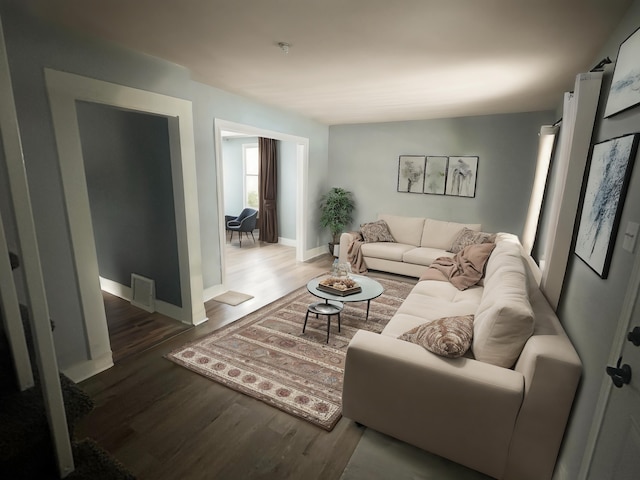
(336, 207)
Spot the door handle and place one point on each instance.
(620, 375)
(634, 336)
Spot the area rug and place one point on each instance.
(265, 355)
(232, 298)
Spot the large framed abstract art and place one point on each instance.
(607, 182)
(625, 85)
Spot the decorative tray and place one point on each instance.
(339, 286)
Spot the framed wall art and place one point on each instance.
(625, 85)
(411, 173)
(435, 177)
(607, 182)
(461, 178)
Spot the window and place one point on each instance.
(251, 167)
(545, 152)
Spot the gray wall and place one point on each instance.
(33, 45)
(128, 168)
(364, 159)
(589, 307)
(287, 186)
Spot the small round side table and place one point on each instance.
(328, 308)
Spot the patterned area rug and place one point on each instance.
(265, 355)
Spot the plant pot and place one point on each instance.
(334, 249)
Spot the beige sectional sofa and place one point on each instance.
(502, 408)
(418, 242)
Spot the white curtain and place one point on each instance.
(575, 140)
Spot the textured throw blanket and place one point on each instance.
(354, 254)
(463, 270)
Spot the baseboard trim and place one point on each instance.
(88, 368)
(287, 242)
(115, 288)
(315, 252)
(124, 292)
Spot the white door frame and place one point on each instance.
(302, 169)
(64, 90)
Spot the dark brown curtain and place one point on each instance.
(268, 215)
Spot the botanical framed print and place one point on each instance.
(462, 173)
(625, 85)
(411, 173)
(607, 182)
(435, 176)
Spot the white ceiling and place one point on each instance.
(360, 61)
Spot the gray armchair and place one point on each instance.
(245, 222)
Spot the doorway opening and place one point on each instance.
(294, 195)
(127, 162)
(65, 90)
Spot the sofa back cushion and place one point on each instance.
(439, 234)
(407, 230)
(504, 320)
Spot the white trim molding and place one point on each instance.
(64, 89)
(302, 168)
(124, 292)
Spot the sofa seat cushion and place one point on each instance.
(439, 234)
(406, 230)
(385, 250)
(433, 290)
(424, 255)
(430, 300)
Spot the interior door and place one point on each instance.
(617, 451)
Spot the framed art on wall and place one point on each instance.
(607, 182)
(462, 173)
(411, 173)
(625, 85)
(435, 176)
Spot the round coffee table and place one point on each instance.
(370, 289)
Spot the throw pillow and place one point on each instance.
(468, 237)
(449, 336)
(376, 232)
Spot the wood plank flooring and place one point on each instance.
(165, 422)
(133, 330)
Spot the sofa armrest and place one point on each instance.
(552, 369)
(461, 409)
(345, 240)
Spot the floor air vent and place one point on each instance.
(143, 292)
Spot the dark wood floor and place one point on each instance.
(165, 422)
(133, 330)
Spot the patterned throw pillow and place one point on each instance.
(449, 336)
(376, 232)
(468, 237)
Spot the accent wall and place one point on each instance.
(364, 159)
